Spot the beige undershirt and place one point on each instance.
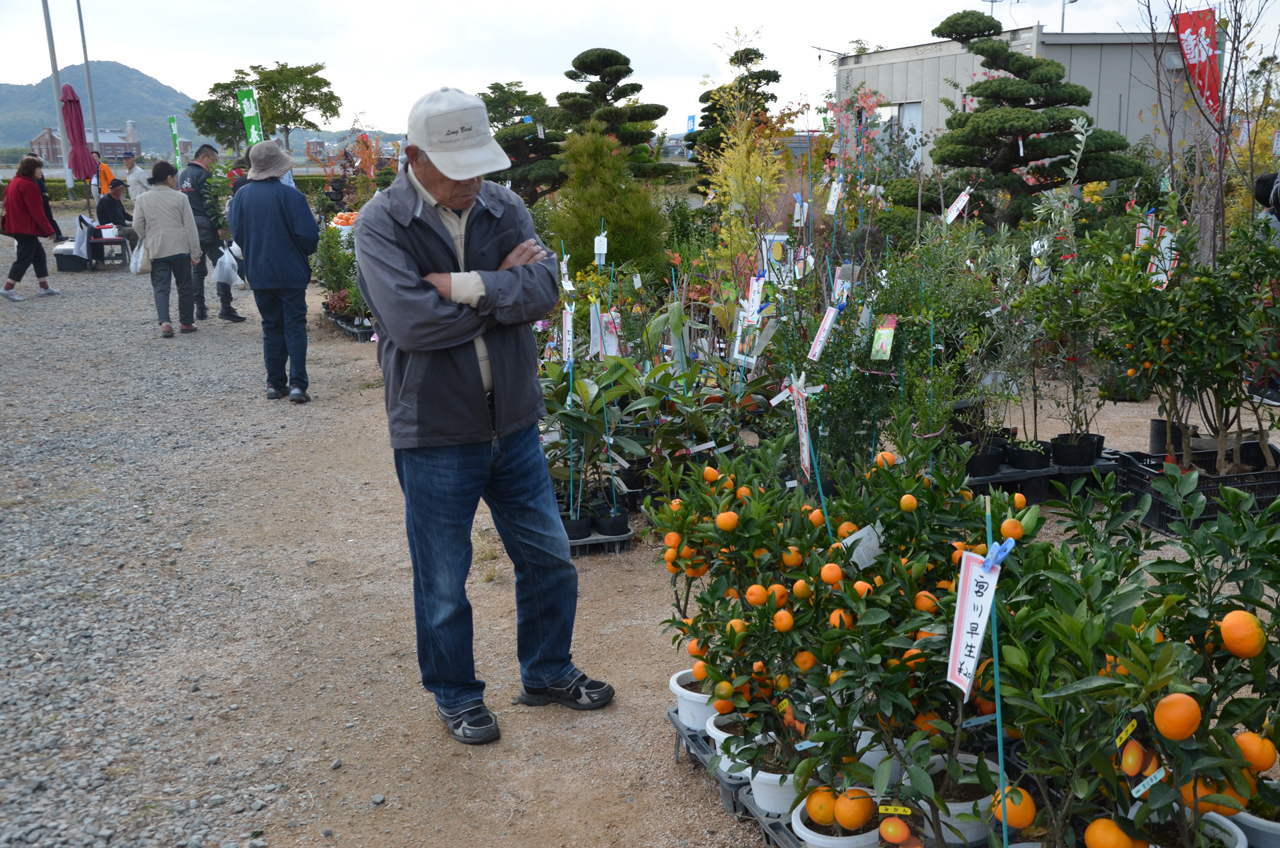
(467, 287)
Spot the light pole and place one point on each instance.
(93, 111)
(57, 106)
(1064, 13)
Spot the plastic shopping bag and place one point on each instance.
(139, 261)
(225, 270)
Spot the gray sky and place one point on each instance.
(381, 57)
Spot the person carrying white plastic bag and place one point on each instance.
(225, 269)
(139, 261)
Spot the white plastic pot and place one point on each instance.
(1226, 830)
(970, 831)
(800, 824)
(1261, 833)
(692, 707)
(717, 737)
(774, 792)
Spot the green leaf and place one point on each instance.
(873, 616)
(921, 782)
(805, 769)
(1086, 686)
(881, 782)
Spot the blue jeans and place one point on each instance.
(284, 335)
(442, 487)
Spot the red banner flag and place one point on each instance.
(1198, 34)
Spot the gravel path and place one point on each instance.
(205, 621)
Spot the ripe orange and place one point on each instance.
(802, 590)
(948, 585)
(735, 625)
(885, 459)
(863, 588)
(687, 552)
(727, 521)
(1132, 372)
(854, 808)
(723, 706)
(1146, 365)
(710, 474)
(779, 593)
(831, 574)
(1242, 634)
(1011, 528)
(1020, 806)
(926, 602)
(757, 595)
(743, 493)
(731, 593)
(805, 660)
(846, 529)
(792, 557)
(699, 670)
(1132, 758)
(1177, 716)
(781, 682)
(907, 503)
(895, 831)
(835, 675)
(821, 805)
(723, 689)
(1019, 500)
(841, 619)
(815, 518)
(696, 650)
(913, 664)
(925, 723)
(670, 555)
(1104, 833)
(1260, 752)
(783, 621)
(672, 539)
(676, 504)
(1192, 793)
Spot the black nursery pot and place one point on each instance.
(577, 528)
(1078, 455)
(984, 464)
(612, 525)
(1025, 459)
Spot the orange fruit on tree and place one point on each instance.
(1011, 528)
(783, 621)
(672, 539)
(673, 568)
(743, 493)
(846, 529)
(802, 590)
(907, 503)
(710, 474)
(1146, 365)
(841, 618)
(792, 557)
(1192, 793)
(854, 808)
(670, 555)
(821, 805)
(1019, 805)
(1105, 833)
(699, 670)
(687, 552)
(1242, 634)
(781, 682)
(835, 675)
(815, 518)
(913, 663)
(723, 706)
(885, 459)
(1132, 372)
(805, 660)
(757, 595)
(731, 593)
(831, 574)
(696, 650)
(926, 602)
(863, 588)
(1019, 500)
(894, 830)
(676, 504)
(727, 521)
(925, 723)
(1177, 716)
(948, 585)
(1260, 752)
(735, 625)
(879, 580)
(723, 689)
(779, 593)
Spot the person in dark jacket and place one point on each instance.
(276, 232)
(194, 183)
(111, 211)
(25, 222)
(454, 273)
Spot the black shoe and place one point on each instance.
(201, 312)
(228, 313)
(275, 393)
(471, 724)
(1268, 395)
(297, 395)
(577, 692)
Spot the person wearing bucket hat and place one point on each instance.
(276, 232)
(455, 275)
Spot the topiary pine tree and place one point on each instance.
(606, 102)
(746, 92)
(1023, 97)
(535, 170)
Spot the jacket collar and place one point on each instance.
(406, 204)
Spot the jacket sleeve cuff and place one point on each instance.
(468, 287)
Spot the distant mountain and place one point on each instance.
(120, 94)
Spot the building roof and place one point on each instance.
(112, 136)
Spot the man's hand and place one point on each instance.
(443, 284)
(526, 253)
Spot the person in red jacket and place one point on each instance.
(24, 220)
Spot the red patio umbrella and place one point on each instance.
(81, 160)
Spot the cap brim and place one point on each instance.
(469, 164)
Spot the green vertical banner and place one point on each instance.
(249, 111)
(173, 128)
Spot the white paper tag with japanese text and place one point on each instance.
(833, 201)
(802, 427)
(976, 588)
(567, 335)
(756, 292)
(824, 333)
(958, 206)
(602, 244)
(635, 281)
(541, 133)
(564, 274)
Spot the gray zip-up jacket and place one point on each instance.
(434, 392)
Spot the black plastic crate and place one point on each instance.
(1141, 470)
(777, 829)
(697, 746)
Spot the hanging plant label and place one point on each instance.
(973, 610)
(824, 333)
(756, 292)
(958, 205)
(702, 447)
(602, 244)
(567, 334)
(882, 343)
(802, 427)
(635, 281)
(541, 133)
(564, 274)
(833, 200)
(619, 460)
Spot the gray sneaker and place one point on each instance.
(11, 294)
(48, 291)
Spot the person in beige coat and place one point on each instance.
(162, 218)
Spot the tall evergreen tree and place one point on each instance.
(1023, 98)
(745, 93)
(535, 169)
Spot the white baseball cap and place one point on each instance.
(452, 128)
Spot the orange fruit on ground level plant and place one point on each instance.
(1260, 752)
(672, 539)
(815, 518)
(779, 593)
(1019, 500)
(699, 670)
(722, 706)
(1104, 833)
(831, 574)
(1177, 716)
(1020, 807)
(802, 590)
(781, 682)
(845, 530)
(926, 602)
(821, 805)
(727, 521)
(863, 588)
(925, 723)
(670, 555)
(885, 459)
(743, 493)
(854, 808)
(757, 595)
(913, 663)
(1242, 634)
(735, 625)
(731, 593)
(723, 689)
(687, 552)
(1011, 528)
(710, 474)
(894, 830)
(696, 650)
(806, 660)
(676, 504)
(783, 621)
(841, 619)
(907, 503)
(1193, 793)
(792, 557)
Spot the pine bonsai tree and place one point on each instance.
(746, 93)
(535, 167)
(1024, 98)
(609, 101)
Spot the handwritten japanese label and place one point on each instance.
(802, 427)
(973, 610)
(567, 335)
(824, 333)
(958, 206)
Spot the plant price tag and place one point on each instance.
(973, 610)
(635, 281)
(564, 275)
(754, 296)
(802, 427)
(833, 200)
(567, 334)
(958, 205)
(824, 333)
(882, 343)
